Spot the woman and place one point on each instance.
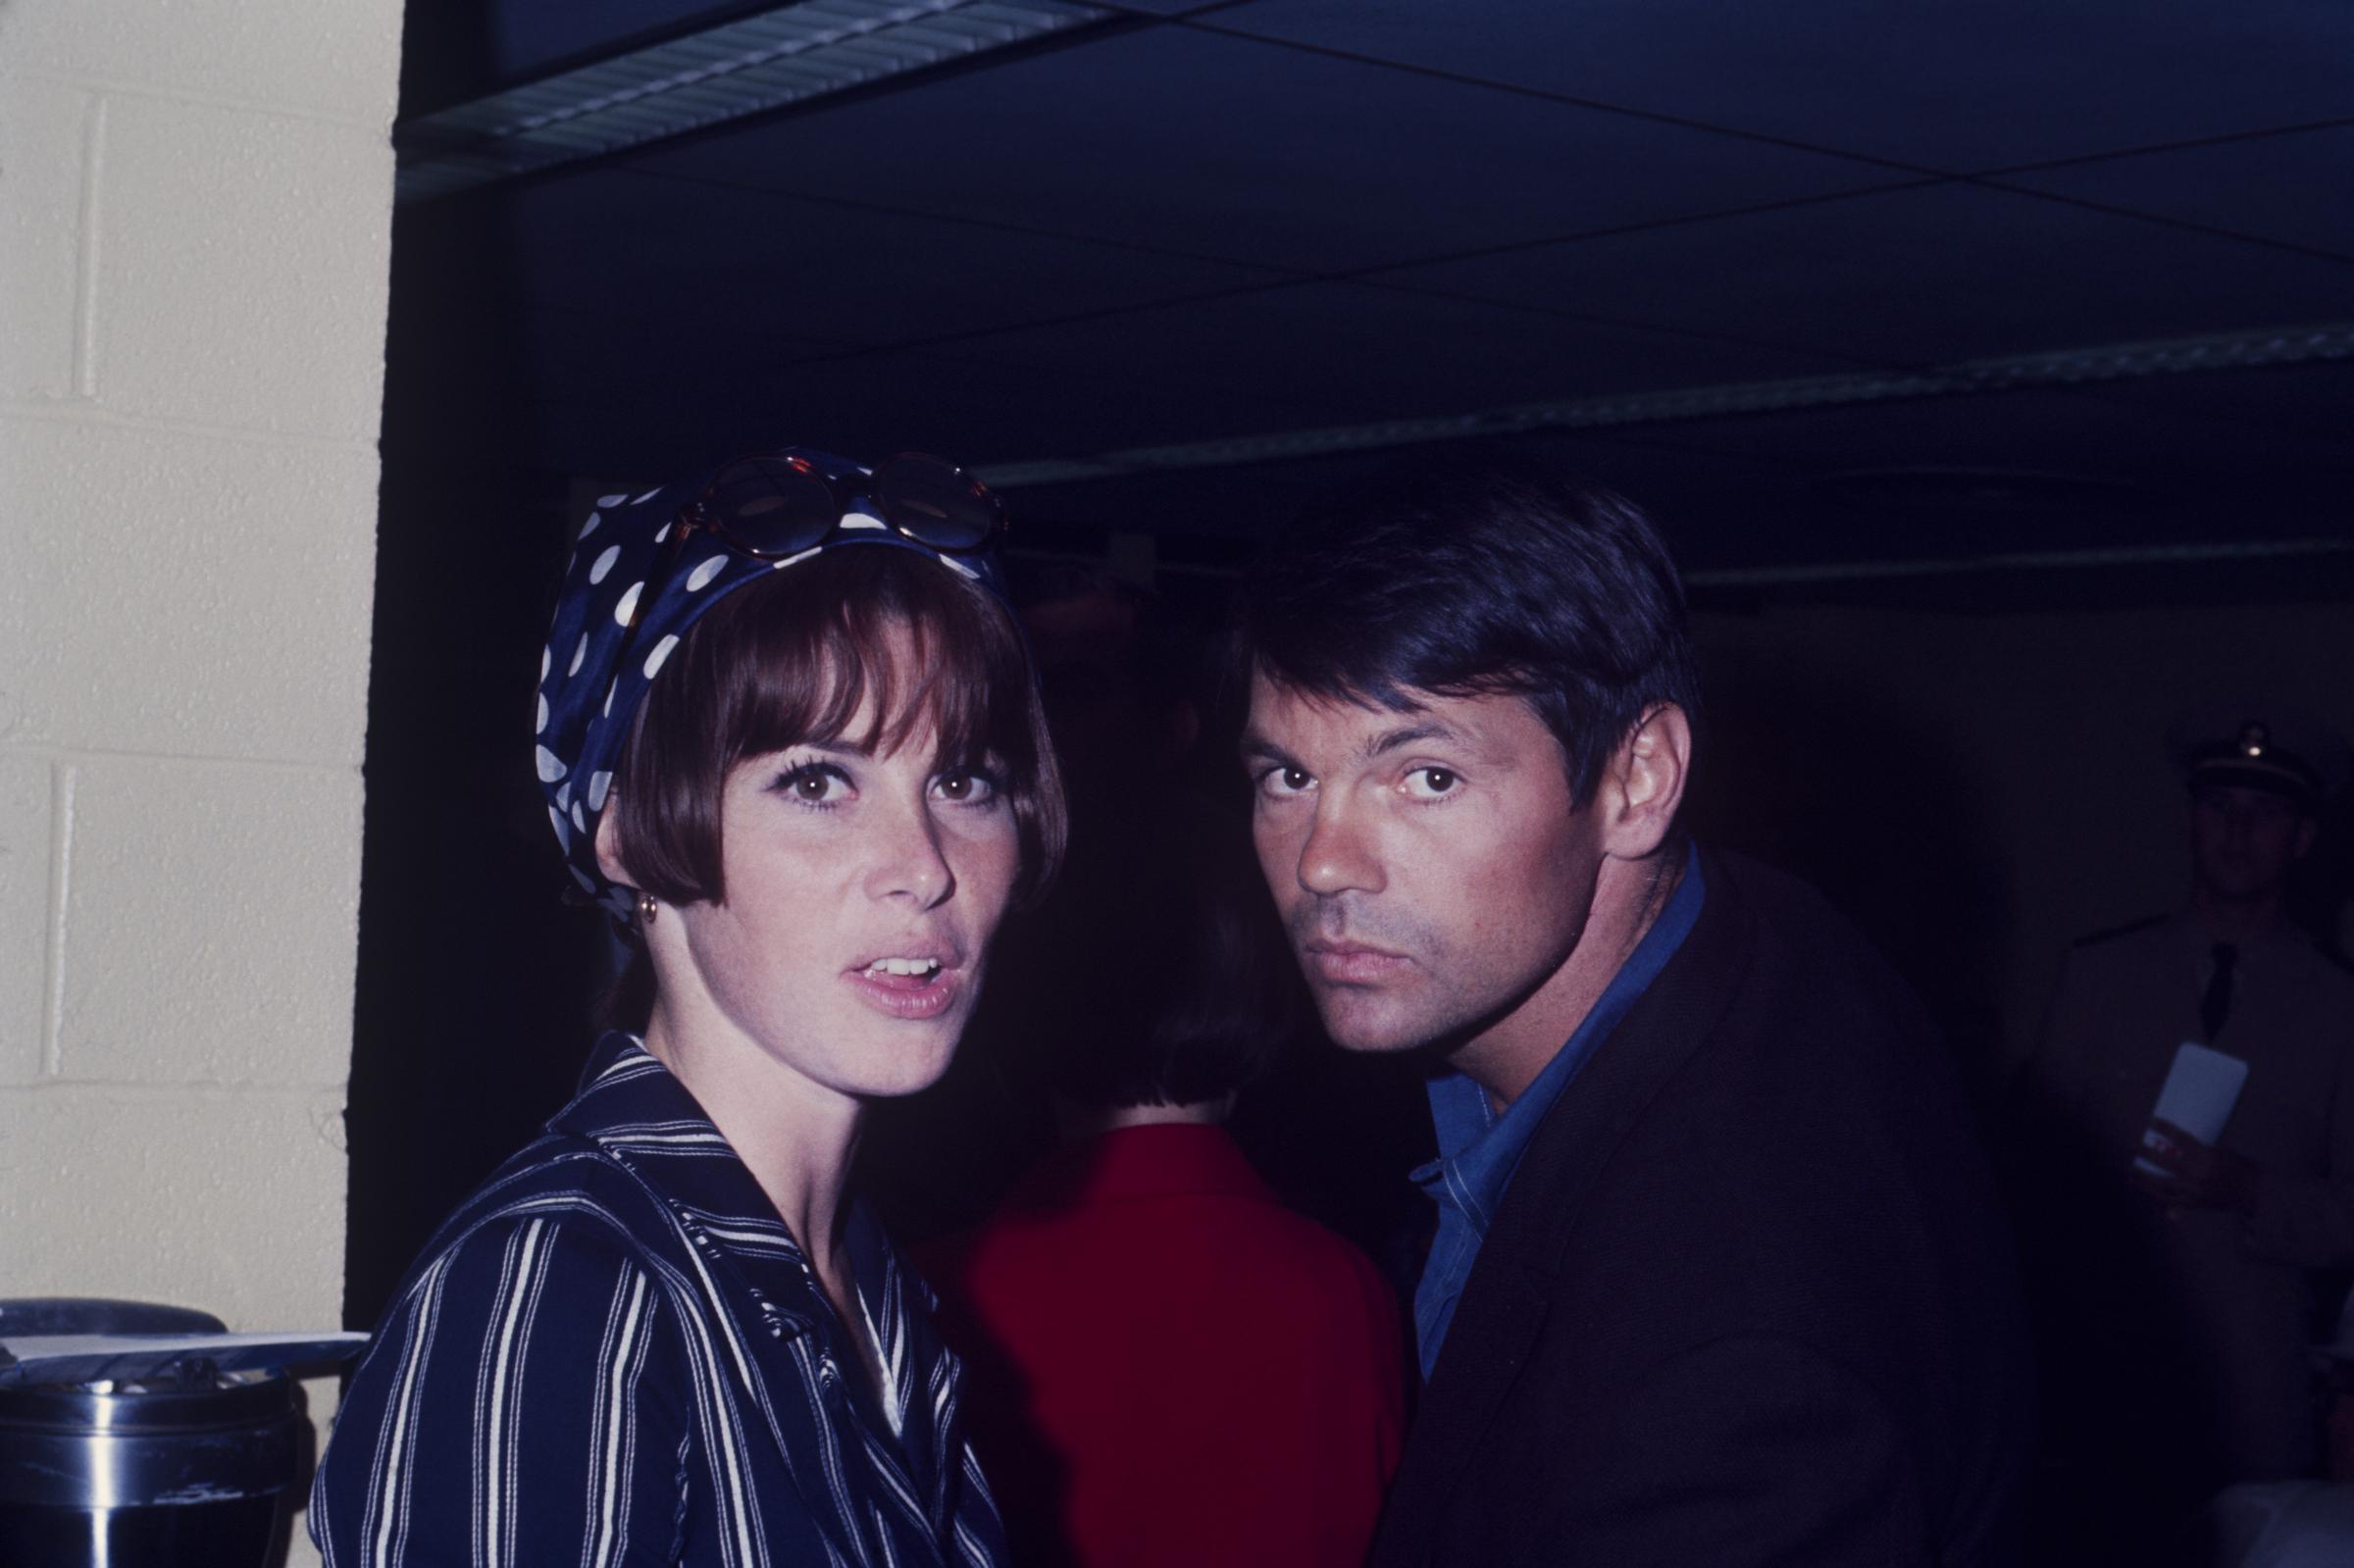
(788, 733)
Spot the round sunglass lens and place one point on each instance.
(936, 502)
(772, 507)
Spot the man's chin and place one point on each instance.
(1356, 1024)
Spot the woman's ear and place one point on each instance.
(1651, 767)
(608, 847)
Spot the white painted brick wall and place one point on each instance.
(195, 201)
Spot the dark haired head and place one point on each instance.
(1478, 575)
(1157, 973)
(790, 660)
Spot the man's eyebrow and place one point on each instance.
(1255, 748)
(1390, 740)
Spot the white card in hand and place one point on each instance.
(2200, 1091)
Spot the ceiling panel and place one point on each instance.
(1177, 232)
(2082, 433)
(977, 410)
(536, 36)
(1952, 84)
(1215, 146)
(2266, 186)
(1258, 500)
(1923, 276)
(2315, 402)
(1370, 353)
(632, 243)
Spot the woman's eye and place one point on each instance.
(1428, 784)
(966, 785)
(815, 783)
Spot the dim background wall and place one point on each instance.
(1979, 789)
(194, 210)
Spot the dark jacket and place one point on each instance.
(1747, 1298)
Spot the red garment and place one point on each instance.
(1166, 1366)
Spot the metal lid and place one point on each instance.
(182, 1431)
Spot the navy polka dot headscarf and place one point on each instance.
(590, 683)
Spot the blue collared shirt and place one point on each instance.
(1480, 1149)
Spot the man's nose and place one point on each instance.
(1339, 856)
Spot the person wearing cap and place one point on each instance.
(2178, 1286)
(790, 739)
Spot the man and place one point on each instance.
(1718, 1276)
(2177, 1357)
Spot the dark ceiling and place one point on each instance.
(1842, 287)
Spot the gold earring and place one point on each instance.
(647, 909)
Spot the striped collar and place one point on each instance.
(636, 1111)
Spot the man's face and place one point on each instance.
(1430, 865)
(2244, 841)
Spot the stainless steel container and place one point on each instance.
(188, 1466)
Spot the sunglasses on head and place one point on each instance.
(774, 507)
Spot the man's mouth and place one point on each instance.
(1346, 963)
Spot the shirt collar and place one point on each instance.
(1478, 1148)
(637, 1111)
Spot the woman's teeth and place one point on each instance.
(925, 967)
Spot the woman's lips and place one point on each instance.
(909, 996)
(1349, 964)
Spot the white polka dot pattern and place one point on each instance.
(621, 623)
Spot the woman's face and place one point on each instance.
(862, 890)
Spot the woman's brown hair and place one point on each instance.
(790, 660)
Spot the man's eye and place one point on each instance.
(1428, 784)
(1285, 780)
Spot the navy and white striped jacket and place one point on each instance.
(614, 1353)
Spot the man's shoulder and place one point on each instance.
(1802, 968)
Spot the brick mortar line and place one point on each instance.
(85, 260)
(71, 756)
(77, 411)
(61, 870)
(171, 1092)
(119, 89)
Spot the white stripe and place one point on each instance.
(391, 1495)
(496, 1459)
(621, 1378)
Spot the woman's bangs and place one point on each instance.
(930, 657)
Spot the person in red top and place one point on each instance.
(1170, 1367)
(1164, 1364)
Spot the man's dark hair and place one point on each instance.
(1478, 573)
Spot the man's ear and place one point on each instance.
(1648, 771)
